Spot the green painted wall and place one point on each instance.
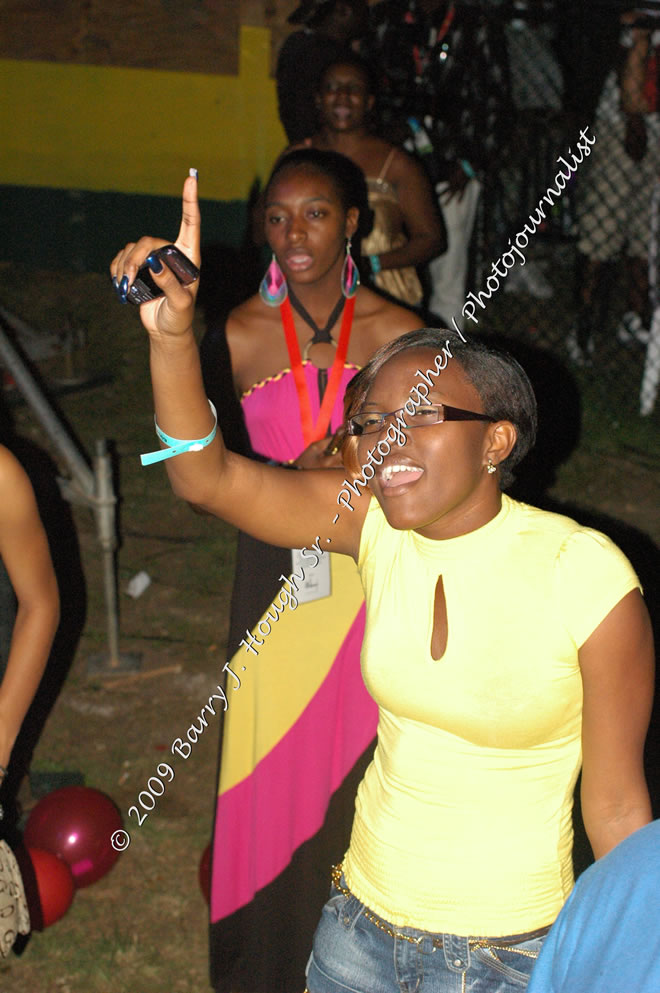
(82, 230)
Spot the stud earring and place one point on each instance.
(350, 277)
(272, 288)
(491, 467)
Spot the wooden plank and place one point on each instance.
(186, 35)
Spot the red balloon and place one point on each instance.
(55, 888)
(76, 823)
(204, 874)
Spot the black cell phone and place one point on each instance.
(144, 288)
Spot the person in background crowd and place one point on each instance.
(330, 26)
(607, 936)
(614, 193)
(406, 231)
(443, 68)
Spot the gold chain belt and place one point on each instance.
(503, 943)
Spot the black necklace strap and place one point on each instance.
(320, 334)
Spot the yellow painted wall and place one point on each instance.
(138, 130)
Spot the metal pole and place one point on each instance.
(94, 489)
(47, 416)
(104, 504)
(104, 509)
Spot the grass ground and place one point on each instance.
(142, 928)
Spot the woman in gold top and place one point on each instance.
(407, 229)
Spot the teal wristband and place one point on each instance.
(374, 262)
(467, 168)
(177, 446)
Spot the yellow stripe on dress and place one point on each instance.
(292, 663)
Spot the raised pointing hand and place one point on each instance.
(172, 313)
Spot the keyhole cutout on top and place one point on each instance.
(440, 627)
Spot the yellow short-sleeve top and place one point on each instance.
(463, 818)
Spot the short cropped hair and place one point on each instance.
(503, 386)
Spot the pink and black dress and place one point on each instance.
(298, 733)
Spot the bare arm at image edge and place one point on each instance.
(25, 553)
(617, 665)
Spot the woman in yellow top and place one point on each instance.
(505, 647)
(407, 229)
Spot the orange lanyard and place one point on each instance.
(314, 432)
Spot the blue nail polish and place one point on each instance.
(114, 282)
(154, 263)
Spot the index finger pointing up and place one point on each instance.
(189, 239)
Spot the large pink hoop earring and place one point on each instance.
(272, 288)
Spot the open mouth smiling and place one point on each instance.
(396, 474)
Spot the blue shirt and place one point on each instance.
(607, 936)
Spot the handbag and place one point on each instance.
(14, 914)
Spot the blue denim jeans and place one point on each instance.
(351, 953)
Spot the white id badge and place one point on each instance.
(316, 583)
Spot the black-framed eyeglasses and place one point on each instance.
(371, 421)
